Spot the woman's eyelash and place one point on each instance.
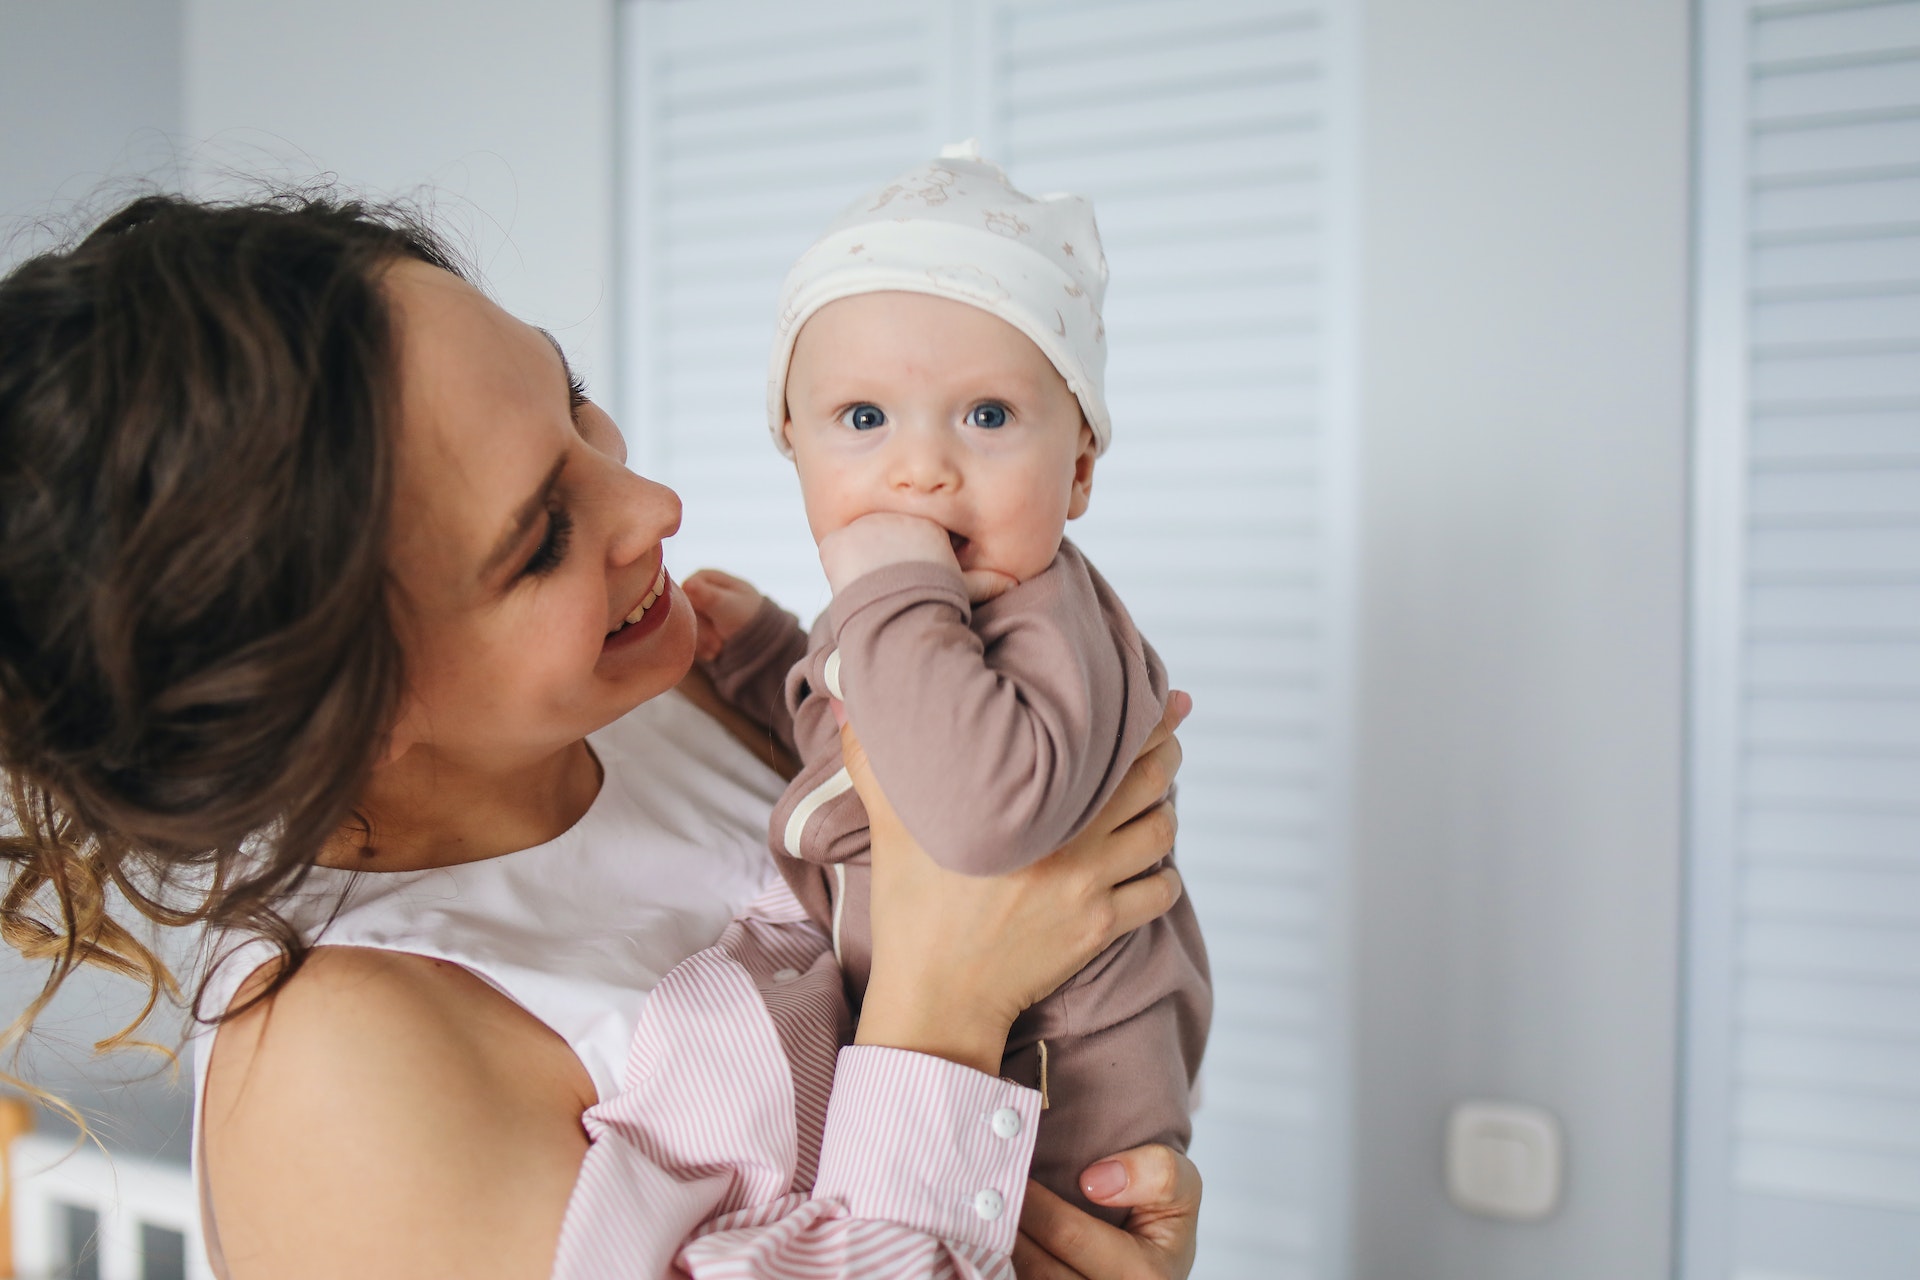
(576, 391)
(553, 548)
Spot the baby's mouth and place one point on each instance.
(959, 543)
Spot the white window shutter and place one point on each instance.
(1803, 1089)
(1216, 144)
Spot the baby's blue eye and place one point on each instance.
(988, 415)
(864, 417)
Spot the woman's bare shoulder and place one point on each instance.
(372, 1115)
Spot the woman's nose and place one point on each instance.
(647, 513)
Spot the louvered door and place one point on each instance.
(1206, 137)
(1215, 144)
(748, 125)
(1803, 1099)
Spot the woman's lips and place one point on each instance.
(658, 585)
(647, 616)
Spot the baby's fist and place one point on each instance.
(722, 605)
(881, 538)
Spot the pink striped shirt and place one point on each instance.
(746, 1144)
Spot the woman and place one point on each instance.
(318, 572)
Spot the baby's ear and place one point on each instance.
(1082, 492)
(786, 432)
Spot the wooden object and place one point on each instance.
(16, 1118)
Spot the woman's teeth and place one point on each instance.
(654, 592)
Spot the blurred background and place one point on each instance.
(1517, 453)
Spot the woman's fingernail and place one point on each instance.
(1108, 1178)
(839, 711)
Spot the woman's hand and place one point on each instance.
(956, 958)
(1161, 1186)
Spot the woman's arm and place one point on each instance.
(472, 1177)
(387, 1115)
(923, 1158)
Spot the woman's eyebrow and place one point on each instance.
(566, 370)
(523, 518)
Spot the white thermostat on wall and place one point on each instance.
(1504, 1160)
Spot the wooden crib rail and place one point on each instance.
(16, 1118)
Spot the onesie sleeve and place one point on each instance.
(996, 733)
(751, 670)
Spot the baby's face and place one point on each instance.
(910, 403)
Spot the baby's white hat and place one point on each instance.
(955, 227)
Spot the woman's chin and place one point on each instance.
(647, 665)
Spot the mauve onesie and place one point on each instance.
(997, 730)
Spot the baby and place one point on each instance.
(937, 380)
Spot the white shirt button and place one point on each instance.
(988, 1204)
(1005, 1122)
(785, 975)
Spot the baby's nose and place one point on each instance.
(925, 466)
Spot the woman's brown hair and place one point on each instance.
(197, 663)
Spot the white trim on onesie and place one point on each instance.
(837, 785)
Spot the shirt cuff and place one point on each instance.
(929, 1144)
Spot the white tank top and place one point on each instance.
(578, 930)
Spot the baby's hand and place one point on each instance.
(881, 538)
(722, 605)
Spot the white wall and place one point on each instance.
(1524, 355)
(89, 96)
(503, 110)
(89, 104)
(1518, 803)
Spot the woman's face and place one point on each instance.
(521, 543)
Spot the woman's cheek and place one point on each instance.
(559, 620)
(680, 625)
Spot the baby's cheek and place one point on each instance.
(846, 508)
(1032, 539)
(830, 503)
